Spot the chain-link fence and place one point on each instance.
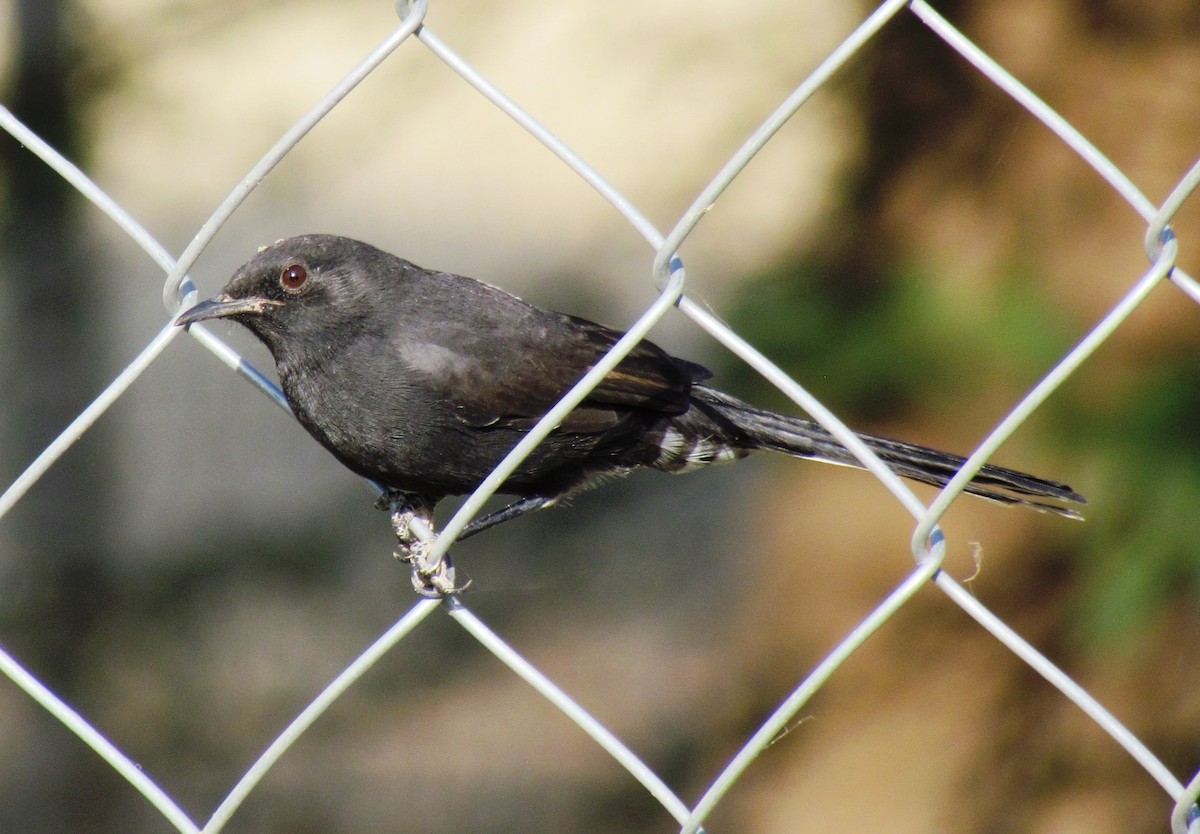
(929, 544)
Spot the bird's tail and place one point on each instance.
(736, 428)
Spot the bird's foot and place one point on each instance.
(430, 578)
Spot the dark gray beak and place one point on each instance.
(223, 306)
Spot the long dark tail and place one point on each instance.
(736, 428)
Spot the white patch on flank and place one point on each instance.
(679, 454)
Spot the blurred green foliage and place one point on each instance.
(878, 347)
(1142, 552)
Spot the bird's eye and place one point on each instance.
(294, 277)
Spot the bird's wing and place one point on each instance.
(511, 370)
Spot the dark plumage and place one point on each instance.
(422, 381)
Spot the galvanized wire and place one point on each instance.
(667, 271)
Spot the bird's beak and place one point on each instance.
(222, 306)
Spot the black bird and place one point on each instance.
(422, 381)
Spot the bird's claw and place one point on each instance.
(430, 578)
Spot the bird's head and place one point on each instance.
(303, 290)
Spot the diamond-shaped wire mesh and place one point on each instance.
(682, 700)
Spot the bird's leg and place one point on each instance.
(430, 579)
(514, 510)
(437, 580)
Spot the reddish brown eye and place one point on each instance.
(294, 277)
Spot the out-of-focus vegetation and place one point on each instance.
(893, 343)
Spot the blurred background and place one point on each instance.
(913, 248)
